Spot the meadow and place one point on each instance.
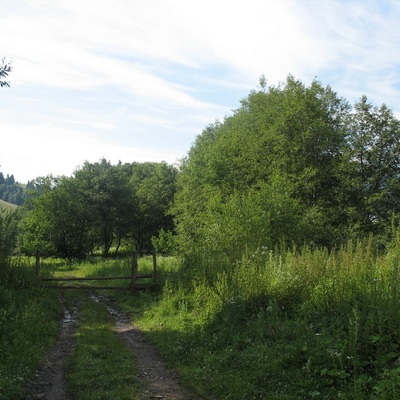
(280, 324)
(283, 324)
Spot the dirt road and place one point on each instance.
(158, 381)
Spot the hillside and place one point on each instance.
(7, 206)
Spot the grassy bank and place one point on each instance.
(29, 325)
(298, 324)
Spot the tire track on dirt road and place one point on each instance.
(49, 381)
(159, 382)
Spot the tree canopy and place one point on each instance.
(100, 206)
(293, 164)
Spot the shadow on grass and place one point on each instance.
(260, 348)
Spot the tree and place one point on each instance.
(284, 142)
(372, 167)
(8, 232)
(5, 69)
(107, 198)
(153, 186)
(57, 222)
(10, 180)
(100, 206)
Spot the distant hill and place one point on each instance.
(7, 206)
(12, 191)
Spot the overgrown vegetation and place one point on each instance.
(295, 324)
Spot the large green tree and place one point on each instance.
(106, 196)
(285, 142)
(153, 186)
(58, 222)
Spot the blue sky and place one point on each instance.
(138, 80)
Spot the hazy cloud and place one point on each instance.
(102, 78)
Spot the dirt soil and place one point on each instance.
(158, 381)
(49, 382)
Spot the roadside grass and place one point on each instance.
(296, 324)
(29, 325)
(100, 366)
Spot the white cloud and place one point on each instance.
(361, 43)
(49, 149)
(105, 78)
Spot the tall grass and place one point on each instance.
(290, 324)
(29, 325)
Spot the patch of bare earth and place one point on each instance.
(49, 382)
(159, 382)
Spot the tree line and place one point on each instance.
(294, 164)
(102, 206)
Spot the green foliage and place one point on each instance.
(371, 167)
(57, 222)
(154, 186)
(292, 324)
(101, 206)
(12, 193)
(294, 164)
(29, 324)
(164, 243)
(8, 232)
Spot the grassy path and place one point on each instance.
(157, 381)
(49, 380)
(101, 355)
(100, 366)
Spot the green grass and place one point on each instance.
(100, 267)
(7, 206)
(29, 325)
(101, 367)
(297, 324)
(292, 325)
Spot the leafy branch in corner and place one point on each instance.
(5, 69)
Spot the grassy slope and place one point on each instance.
(7, 206)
